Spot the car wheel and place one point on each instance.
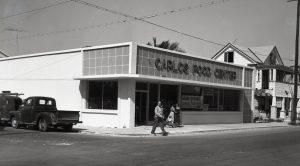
(14, 123)
(43, 125)
(68, 127)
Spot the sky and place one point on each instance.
(204, 26)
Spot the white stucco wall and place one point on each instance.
(123, 117)
(50, 75)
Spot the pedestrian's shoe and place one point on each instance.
(153, 133)
(165, 134)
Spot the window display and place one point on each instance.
(102, 95)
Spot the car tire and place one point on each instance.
(42, 125)
(68, 127)
(14, 123)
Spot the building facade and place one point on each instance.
(119, 85)
(273, 77)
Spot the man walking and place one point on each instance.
(159, 119)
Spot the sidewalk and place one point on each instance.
(142, 131)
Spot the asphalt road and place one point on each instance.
(273, 146)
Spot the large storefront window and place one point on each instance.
(103, 95)
(192, 98)
(195, 98)
(210, 99)
(231, 100)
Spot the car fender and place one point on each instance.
(48, 116)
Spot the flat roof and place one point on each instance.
(115, 45)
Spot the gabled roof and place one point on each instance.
(256, 55)
(264, 52)
(242, 50)
(249, 53)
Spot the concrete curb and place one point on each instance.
(181, 133)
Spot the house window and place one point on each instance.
(280, 76)
(228, 57)
(103, 95)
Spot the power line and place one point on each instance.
(142, 19)
(117, 22)
(34, 10)
(132, 18)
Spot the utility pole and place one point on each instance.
(295, 99)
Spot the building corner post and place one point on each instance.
(295, 99)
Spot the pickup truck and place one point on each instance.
(8, 102)
(42, 113)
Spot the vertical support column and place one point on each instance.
(132, 58)
(290, 110)
(179, 95)
(273, 108)
(270, 75)
(83, 88)
(282, 112)
(274, 75)
(148, 102)
(179, 103)
(242, 103)
(126, 103)
(254, 83)
(243, 79)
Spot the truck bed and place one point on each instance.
(65, 115)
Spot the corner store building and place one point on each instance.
(119, 85)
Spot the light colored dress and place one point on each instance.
(171, 117)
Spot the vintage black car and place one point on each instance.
(8, 102)
(41, 112)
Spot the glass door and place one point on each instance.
(140, 108)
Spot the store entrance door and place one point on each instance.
(140, 108)
(168, 96)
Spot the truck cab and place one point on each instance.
(8, 102)
(42, 112)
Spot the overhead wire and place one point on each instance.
(33, 10)
(116, 22)
(95, 26)
(129, 18)
(158, 25)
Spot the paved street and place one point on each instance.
(273, 146)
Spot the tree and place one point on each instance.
(166, 45)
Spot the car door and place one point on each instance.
(26, 110)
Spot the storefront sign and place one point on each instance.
(171, 66)
(189, 101)
(225, 74)
(201, 71)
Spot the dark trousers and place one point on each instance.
(158, 122)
